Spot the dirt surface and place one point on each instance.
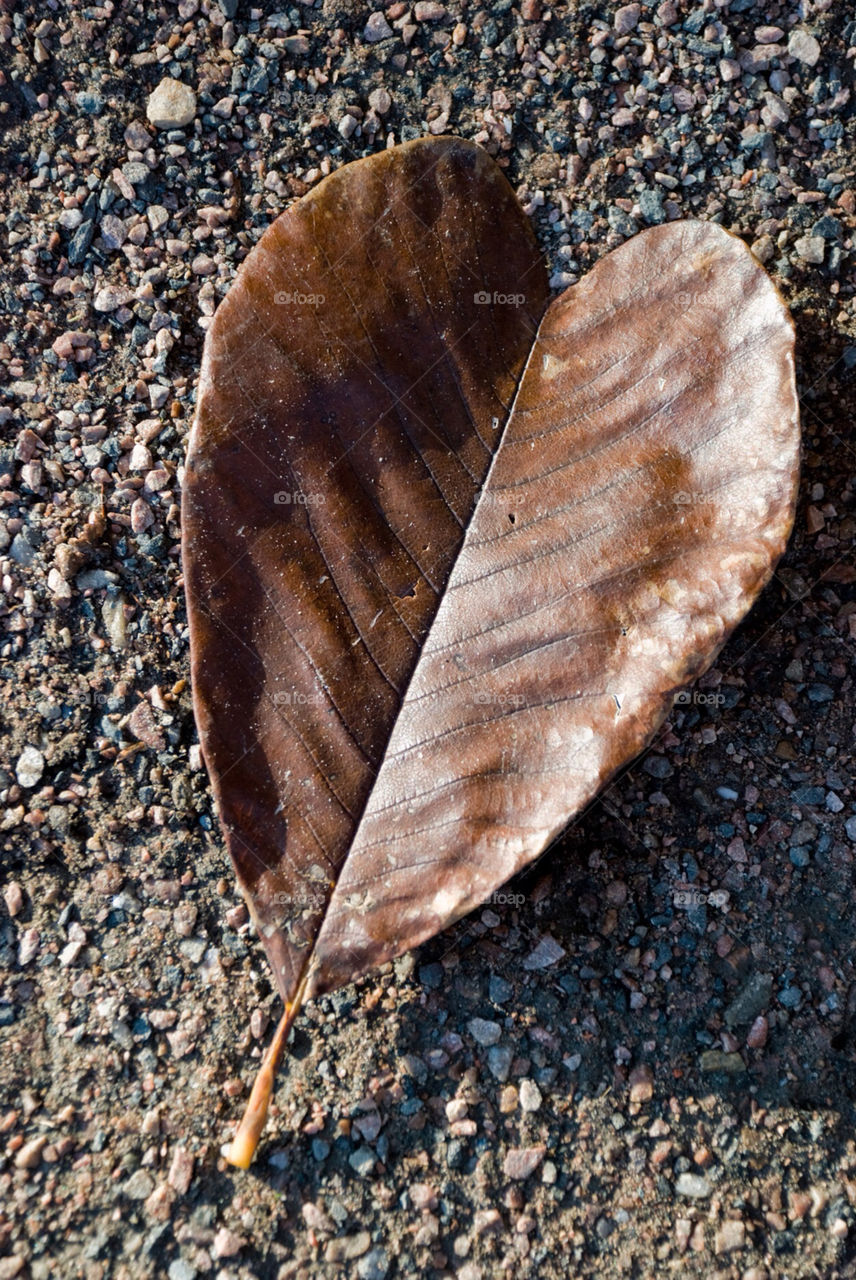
(640, 1058)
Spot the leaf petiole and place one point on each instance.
(243, 1146)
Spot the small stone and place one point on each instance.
(641, 1083)
(141, 458)
(693, 1185)
(139, 1186)
(547, 953)
(764, 248)
(377, 28)
(113, 616)
(346, 1248)
(731, 1235)
(226, 1244)
(520, 1162)
(508, 1100)
(347, 125)
(626, 18)
(30, 1155)
(380, 101)
(811, 249)
(30, 767)
(753, 997)
(651, 206)
(113, 231)
(768, 35)
(69, 560)
(456, 1109)
(422, 1196)
(142, 725)
(757, 1037)
(159, 1203)
(111, 298)
(374, 1265)
(487, 1222)
(716, 1060)
(172, 105)
(14, 898)
(180, 1173)
(530, 1095)
(362, 1161)
(429, 11)
(657, 767)
(499, 1060)
(142, 516)
(803, 46)
(484, 1032)
(729, 70)
(182, 1269)
(184, 916)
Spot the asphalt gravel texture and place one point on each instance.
(640, 1059)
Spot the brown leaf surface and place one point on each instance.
(513, 533)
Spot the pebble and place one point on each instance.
(757, 1037)
(626, 18)
(30, 1155)
(530, 1095)
(753, 997)
(520, 1162)
(145, 729)
(811, 249)
(377, 28)
(499, 1060)
(641, 1083)
(142, 516)
(546, 954)
(380, 101)
(374, 1265)
(484, 1032)
(729, 1237)
(111, 297)
(362, 1161)
(803, 46)
(694, 1185)
(14, 898)
(227, 1244)
(717, 1060)
(30, 767)
(139, 1186)
(180, 1173)
(172, 105)
(346, 1248)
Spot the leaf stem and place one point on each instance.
(243, 1146)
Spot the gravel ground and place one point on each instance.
(637, 1060)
